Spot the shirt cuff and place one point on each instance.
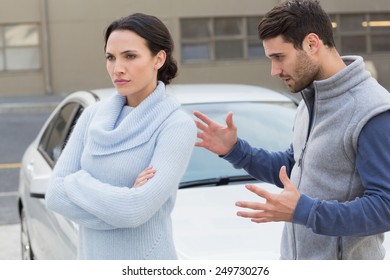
(303, 210)
(234, 153)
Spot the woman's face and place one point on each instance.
(131, 65)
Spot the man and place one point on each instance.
(335, 174)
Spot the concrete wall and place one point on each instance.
(76, 39)
(72, 41)
(21, 82)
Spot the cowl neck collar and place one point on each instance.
(105, 136)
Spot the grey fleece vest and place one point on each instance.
(325, 158)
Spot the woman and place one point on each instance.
(103, 179)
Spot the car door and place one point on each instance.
(52, 236)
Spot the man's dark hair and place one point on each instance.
(294, 20)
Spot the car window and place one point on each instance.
(57, 132)
(263, 125)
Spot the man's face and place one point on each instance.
(295, 67)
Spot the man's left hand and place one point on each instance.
(277, 207)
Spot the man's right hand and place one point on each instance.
(215, 137)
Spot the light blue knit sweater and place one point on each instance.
(93, 178)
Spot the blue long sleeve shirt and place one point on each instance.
(367, 215)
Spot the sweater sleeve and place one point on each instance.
(68, 163)
(366, 215)
(259, 163)
(135, 206)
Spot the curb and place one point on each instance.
(28, 107)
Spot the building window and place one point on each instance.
(19, 47)
(196, 39)
(2, 66)
(220, 39)
(229, 38)
(235, 38)
(362, 33)
(254, 45)
(379, 26)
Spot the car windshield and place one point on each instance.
(265, 125)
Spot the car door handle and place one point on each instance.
(30, 166)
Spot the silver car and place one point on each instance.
(205, 225)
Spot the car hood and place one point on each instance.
(206, 226)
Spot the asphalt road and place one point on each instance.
(18, 128)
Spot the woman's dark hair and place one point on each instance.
(294, 20)
(156, 35)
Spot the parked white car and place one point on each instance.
(205, 225)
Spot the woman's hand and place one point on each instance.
(144, 176)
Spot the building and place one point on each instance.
(56, 46)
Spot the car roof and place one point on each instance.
(212, 93)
